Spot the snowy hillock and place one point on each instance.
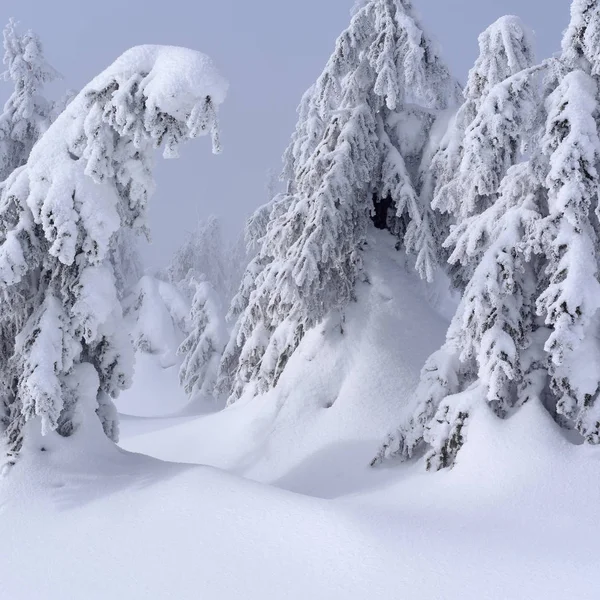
(341, 393)
(494, 527)
(516, 518)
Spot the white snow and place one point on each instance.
(516, 518)
(274, 497)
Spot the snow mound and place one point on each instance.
(344, 389)
(516, 517)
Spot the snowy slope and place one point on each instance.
(339, 396)
(517, 518)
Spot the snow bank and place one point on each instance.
(516, 518)
(339, 396)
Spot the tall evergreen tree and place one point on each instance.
(27, 114)
(483, 139)
(202, 253)
(568, 240)
(354, 153)
(203, 347)
(126, 261)
(89, 176)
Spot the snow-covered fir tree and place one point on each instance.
(484, 138)
(505, 48)
(492, 351)
(89, 176)
(527, 326)
(126, 260)
(202, 253)
(355, 155)
(203, 348)
(207, 271)
(158, 319)
(27, 114)
(237, 257)
(567, 238)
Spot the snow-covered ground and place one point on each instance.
(287, 506)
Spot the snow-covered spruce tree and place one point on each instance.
(356, 151)
(527, 327)
(27, 114)
(494, 344)
(254, 233)
(483, 139)
(237, 258)
(203, 348)
(25, 117)
(203, 252)
(126, 260)
(568, 240)
(158, 319)
(87, 177)
(505, 48)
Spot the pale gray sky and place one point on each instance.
(270, 50)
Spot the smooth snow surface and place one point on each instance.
(517, 518)
(336, 401)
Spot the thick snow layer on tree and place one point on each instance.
(516, 518)
(171, 72)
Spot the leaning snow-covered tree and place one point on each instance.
(27, 114)
(527, 326)
(203, 348)
(355, 155)
(89, 176)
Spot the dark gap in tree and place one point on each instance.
(380, 214)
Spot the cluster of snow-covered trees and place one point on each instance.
(524, 202)
(181, 309)
(493, 189)
(497, 188)
(373, 148)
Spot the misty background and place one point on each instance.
(270, 51)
